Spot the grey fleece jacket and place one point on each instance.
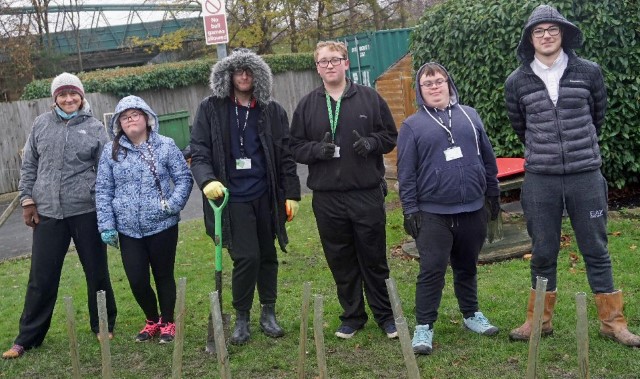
(562, 138)
(60, 163)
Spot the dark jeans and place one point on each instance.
(351, 225)
(584, 196)
(255, 260)
(157, 251)
(457, 239)
(51, 239)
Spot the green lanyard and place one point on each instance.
(333, 119)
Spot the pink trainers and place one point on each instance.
(167, 332)
(149, 331)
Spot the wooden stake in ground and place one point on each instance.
(218, 333)
(536, 326)
(403, 331)
(582, 335)
(318, 335)
(178, 343)
(73, 339)
(304, 324)
(107, 372)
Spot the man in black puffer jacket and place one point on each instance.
(556, 102)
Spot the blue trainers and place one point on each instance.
(422, 340)
(391, 330)
(346, 332)
(479, 324)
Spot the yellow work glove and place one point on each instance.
(213, 190)
(291, 207)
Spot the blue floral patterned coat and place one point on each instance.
(127, 196)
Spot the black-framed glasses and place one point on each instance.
(243, 70)
(438, 83)
(324, 63)
(135, 116)
(552, 30)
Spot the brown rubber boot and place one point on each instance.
(16, 351)
(612, 322)
(524, 331)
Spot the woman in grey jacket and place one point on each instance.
(137, 202)
(57, 185)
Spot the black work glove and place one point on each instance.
(493, 203)
(325, 149)
(364, 145)
(412, 223)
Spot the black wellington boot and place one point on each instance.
(241, 333)
(268, 322)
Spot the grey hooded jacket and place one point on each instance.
(60, 163)
(561, 138)
(210, 141)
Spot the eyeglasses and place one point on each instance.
(552, 30)
(244, 70)
(324, 63)
(438, 83)
(135, 116)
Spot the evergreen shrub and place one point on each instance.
(127, 80)
(476, 41)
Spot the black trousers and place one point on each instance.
(51, 239)
(351, 225)
(255, 260)
(157, 251)
(458, 239)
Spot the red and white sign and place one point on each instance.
(214, 14)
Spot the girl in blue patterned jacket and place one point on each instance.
(138, 205)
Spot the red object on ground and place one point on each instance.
(509, 166)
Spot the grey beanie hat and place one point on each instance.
(66, 82)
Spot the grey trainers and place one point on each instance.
(479, 324)
(422, 340)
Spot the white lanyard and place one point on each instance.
(439, 122)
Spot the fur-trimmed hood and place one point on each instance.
(571, 35)
(220, 79)
(132, 102)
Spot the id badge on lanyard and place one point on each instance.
(453, 153)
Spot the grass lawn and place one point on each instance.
(458, 353)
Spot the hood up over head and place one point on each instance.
(571, 35)
(133, 102)
(220, 80)
(453, 91)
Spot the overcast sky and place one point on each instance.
(114, 18)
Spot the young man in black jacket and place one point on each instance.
(240, 141)
(341, 130)
(556, 102)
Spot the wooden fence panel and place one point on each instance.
(17, 117)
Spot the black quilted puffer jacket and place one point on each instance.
(561, 138)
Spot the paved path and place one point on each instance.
(15, 236)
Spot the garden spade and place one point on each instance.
(217, 213)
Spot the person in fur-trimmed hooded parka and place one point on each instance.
(556, 102)
(240, 141)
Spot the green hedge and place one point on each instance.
(124, 81)
(476, 40)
